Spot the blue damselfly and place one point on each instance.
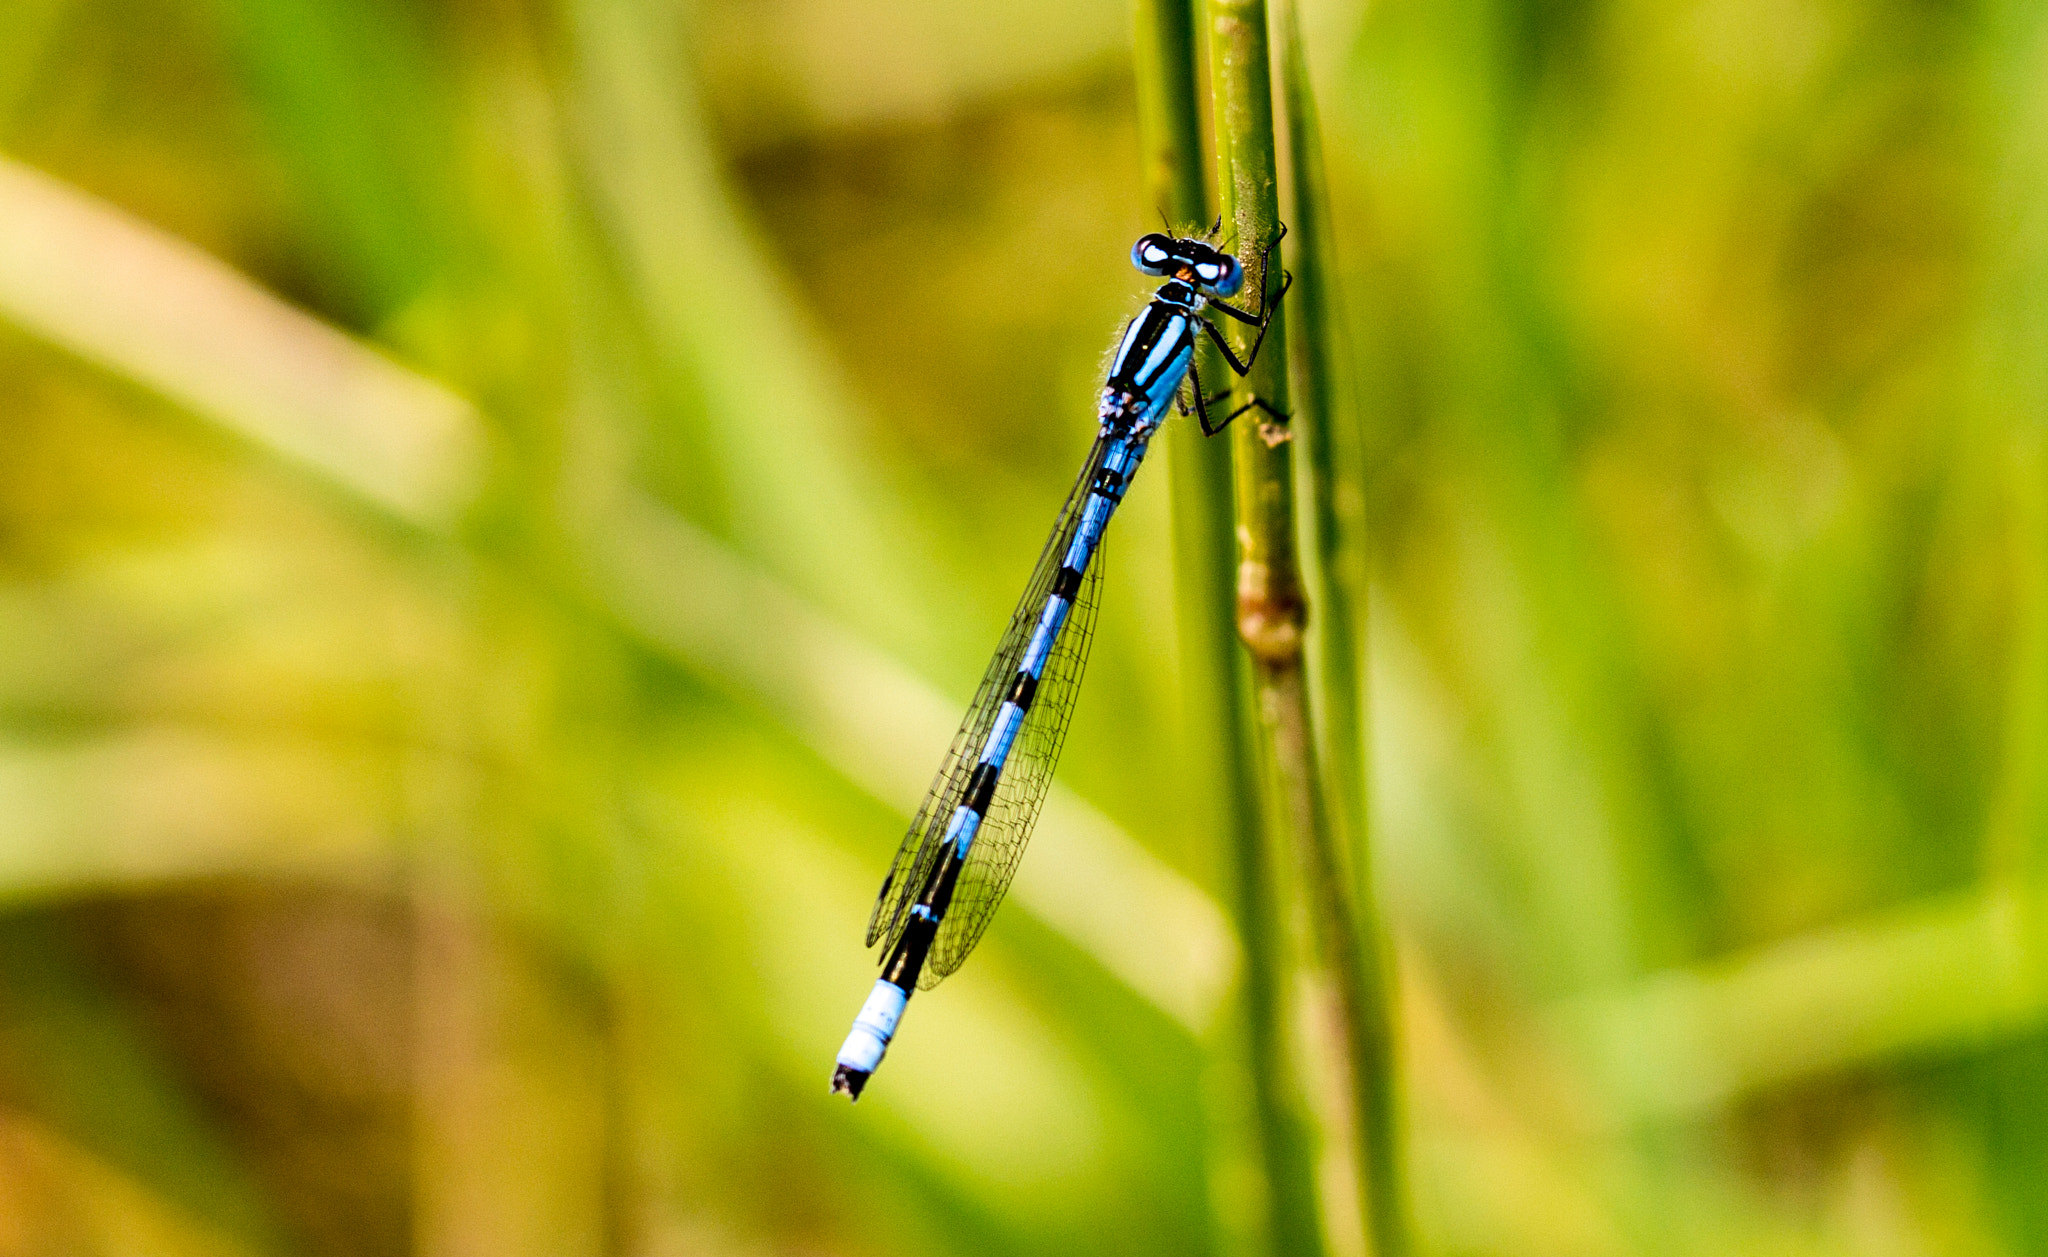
(965, 843)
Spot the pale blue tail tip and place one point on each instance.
(862, 1052)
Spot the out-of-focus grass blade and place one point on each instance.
(801, 494)
(271, 633)
(508, 1045)
(355, 99)
(160, 803)
(849, 64)
(63, 1199)
(90, 1071)
(25, 30)
(152, 308)
(1934, 976)
(2010, 388)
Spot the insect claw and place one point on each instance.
(848, 1082)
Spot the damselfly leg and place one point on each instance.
(1261, 319)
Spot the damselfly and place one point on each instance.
(964, 845)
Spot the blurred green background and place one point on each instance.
(500, 502)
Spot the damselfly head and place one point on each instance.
(1200, 263)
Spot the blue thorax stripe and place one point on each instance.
(1172, 338)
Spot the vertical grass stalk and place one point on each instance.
(2011, 386)
(1328, 431)
(1273, 614)
(1219, 726)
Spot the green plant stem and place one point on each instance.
(1219, 728)
(1335, 456)
(1328, 429)
(1169, 114)
(1270, 604)
(1273, 613)
(2011, 387)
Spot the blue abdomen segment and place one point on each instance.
(1118, 463)
(873, 1027)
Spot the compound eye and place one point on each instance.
(1153, 254)
(1222, 276)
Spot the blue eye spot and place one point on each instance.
(1153, 254)
(1229, 281)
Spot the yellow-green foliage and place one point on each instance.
(500, 503)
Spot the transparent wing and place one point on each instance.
(1021, 790)
(923, 845)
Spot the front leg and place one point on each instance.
(1244, 367)
(1262, 320)
(1256, 320)
(1264, 312)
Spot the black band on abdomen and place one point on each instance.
(981, 787)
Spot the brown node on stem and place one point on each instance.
(1269, 619)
